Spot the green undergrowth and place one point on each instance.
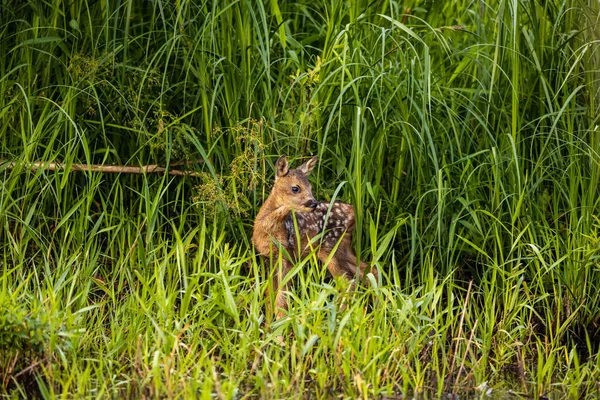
(465, 134)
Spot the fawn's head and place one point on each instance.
(292, 187)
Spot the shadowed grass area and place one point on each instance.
(465, 134)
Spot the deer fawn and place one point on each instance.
(275, 230)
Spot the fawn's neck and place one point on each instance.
(270, 225)
(272, 212)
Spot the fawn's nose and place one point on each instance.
(311, 204)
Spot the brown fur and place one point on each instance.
(274, 229)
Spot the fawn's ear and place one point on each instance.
(308, 166)
(281, 167)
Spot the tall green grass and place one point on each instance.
(465, 134)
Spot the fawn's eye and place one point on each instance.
(295, 189)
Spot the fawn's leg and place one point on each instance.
(338, 267)
(334, 265)
(343, 261)
(279, 275)
(363, 269)
(347, 258)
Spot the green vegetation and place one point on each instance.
(465, 134)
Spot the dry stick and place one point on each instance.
(29, 368)
(460, 328)
(6, 377)
(220, 394)
(521, 364)
(144, 169)
(462, 364)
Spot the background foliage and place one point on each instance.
(465, 134)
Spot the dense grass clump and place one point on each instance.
(466, 134)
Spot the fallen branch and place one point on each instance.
(144, 169)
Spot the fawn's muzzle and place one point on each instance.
(311, 204)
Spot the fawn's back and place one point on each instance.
(334, 223)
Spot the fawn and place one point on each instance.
(274, 229)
